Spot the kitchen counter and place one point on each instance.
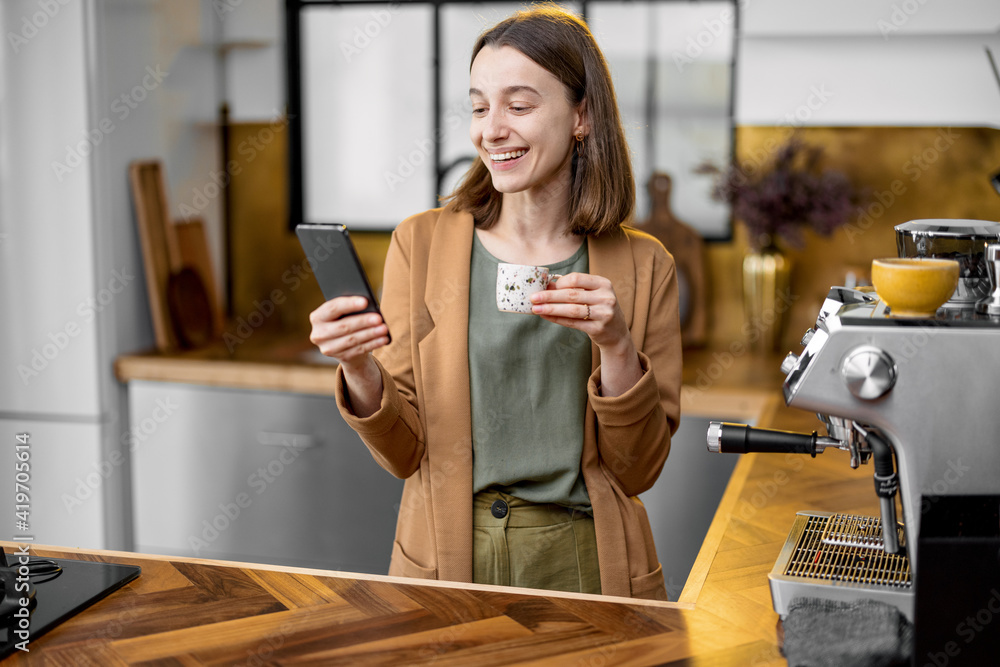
(715, 380)
(261, 360)
(190, 611)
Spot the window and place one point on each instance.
(379, 110)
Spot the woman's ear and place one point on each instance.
(582, 119)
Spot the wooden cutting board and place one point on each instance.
(159, 245)
(193, 245)
(688, 249)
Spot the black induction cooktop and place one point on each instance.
(62, 588)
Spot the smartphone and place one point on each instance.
(335, 263)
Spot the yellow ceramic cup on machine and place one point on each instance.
(914, 286)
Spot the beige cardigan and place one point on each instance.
(423, 429)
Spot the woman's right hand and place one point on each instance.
(340, 330)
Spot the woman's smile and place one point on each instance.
(523, 124)
(507, 160)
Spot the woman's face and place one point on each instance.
(523, 125)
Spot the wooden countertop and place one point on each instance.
(717, 381)
(187, 611)
(261, 360)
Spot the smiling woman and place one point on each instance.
(531, 117)
(523, 132)
(524, 439)
(557, 96)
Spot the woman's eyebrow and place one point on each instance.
(509, 90)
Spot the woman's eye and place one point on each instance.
(478, 111)
(519, 109)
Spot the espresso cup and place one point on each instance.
(516, 283)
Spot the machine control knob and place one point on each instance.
(808, 336)
(715, 437)
(789, 363)
(869, 372)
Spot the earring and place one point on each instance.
(579, 143)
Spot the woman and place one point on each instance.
(523, 440)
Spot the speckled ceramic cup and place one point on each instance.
(515, 285)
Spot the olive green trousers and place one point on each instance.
(531, 545)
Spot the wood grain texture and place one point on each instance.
(688, 250)
(200, 612)
(260, 361)
(160, 254)
(192, 245)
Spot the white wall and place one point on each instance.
(154, 81)
(252, 41)
(868, 62)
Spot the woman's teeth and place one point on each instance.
(500, 157)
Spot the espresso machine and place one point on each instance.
(917, 399)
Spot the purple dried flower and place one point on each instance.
(779, 200)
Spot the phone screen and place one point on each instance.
(334, 261)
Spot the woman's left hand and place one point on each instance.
(585, 302)
(589, 303)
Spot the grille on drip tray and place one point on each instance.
(839, 557)
(847, 548)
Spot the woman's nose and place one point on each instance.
(495, 127)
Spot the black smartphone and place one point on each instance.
(335, 263)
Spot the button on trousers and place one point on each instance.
(533, 545)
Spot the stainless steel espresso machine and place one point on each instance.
(917, 399)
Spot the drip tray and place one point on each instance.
(840, 557)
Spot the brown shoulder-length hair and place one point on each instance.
(602, 194)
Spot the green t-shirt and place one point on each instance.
(529, 393)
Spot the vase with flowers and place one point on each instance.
(776, 202)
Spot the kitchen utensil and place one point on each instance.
(914, 287)
(193, 246)
(990, 304)
(962, 240)
(180, 306)
(158, 244)
(190, 308)
(688, 249)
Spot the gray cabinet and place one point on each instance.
(683, 501)
(256, 476)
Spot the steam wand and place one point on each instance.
(886, 486)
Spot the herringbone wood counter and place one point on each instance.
(197, 612)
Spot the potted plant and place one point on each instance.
(777, 201)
